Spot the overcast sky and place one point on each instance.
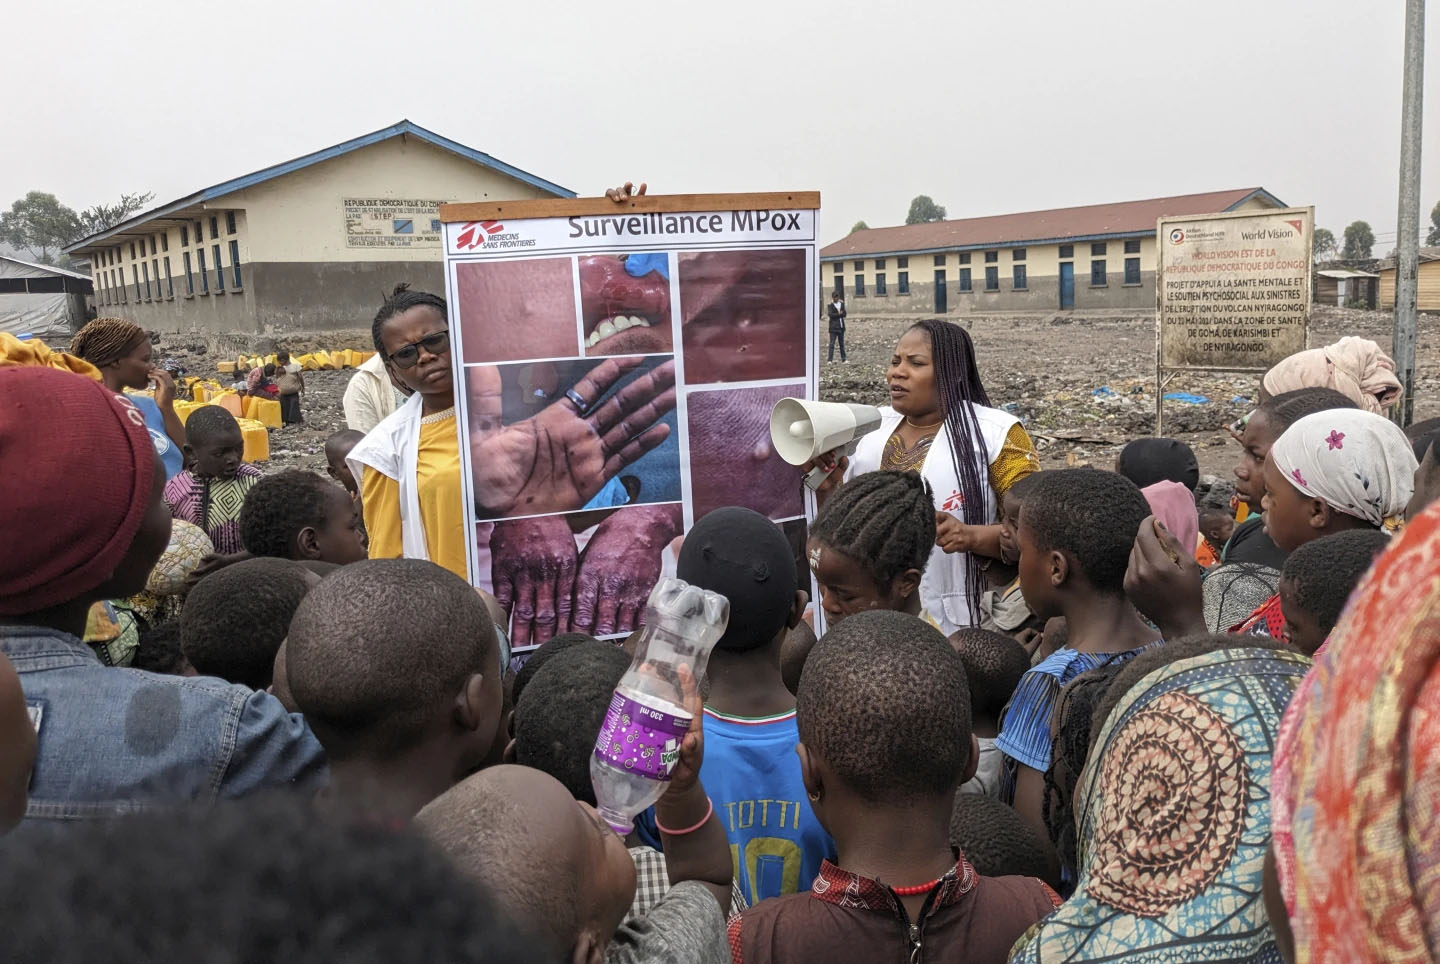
(988, 107)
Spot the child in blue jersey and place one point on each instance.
(1077, 527)
(750, 768)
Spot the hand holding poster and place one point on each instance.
(618, 365)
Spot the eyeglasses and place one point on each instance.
(433, 343)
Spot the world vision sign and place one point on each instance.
(1233, 290)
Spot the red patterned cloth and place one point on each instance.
(1268, 620)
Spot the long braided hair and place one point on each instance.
(401, 300)
(957, 382)
(105, 340)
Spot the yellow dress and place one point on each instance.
(442, 501)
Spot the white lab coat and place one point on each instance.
(392, 448)
(944, 589)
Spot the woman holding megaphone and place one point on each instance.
(940, 424)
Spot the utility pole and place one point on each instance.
(1408, 240)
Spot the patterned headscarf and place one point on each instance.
(1174, 822)
(1359, 771)
(1357, 462)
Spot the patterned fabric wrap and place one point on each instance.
(1174, 819)
(1359, 463)
(1361, 763)
(213, 504)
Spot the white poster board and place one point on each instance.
(1232, 291)
(617, 364)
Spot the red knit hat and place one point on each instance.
(76, 478)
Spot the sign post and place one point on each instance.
(615, 367)
(1232, 292)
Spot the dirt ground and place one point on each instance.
(1046, 370)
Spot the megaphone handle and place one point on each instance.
(816, 477)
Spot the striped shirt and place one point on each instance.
(1025, 723)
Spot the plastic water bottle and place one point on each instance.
(639, 742)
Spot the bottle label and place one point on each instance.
(639, 739)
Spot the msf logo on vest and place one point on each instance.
(955, 503)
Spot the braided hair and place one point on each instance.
(401, 300)
(105, 340)
(885, 521)
(957, 382)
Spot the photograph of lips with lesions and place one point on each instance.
(570, 435)
(625, 304)
(742, 315)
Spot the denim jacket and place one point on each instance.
(118, 740)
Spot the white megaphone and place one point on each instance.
(802, 430)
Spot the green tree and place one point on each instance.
(860, 226)
(924, 210)
(1359, 240)
(40, 224)
(103, 217)
(1323, 244)
(1434, 236)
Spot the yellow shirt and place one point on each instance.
(442, 502)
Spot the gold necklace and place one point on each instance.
(911, 422)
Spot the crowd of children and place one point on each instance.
(238, 737)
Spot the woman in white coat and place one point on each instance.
(941, 425)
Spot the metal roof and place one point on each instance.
(404, 127)
(1343, 273)
(50, 268)
(1095, 222)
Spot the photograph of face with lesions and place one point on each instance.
(732, 460)
(584, 572)
(625, 304)
(742, 315)
(517, 310)
(569, 435)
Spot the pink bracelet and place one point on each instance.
(710, 812)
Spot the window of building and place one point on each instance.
(136, 271)
(229, 222)
(965, 279)
(879, 264)
(1097, 250)
(204, 278)
(199, 233)
(169, 281)
(184, 235)
(992, 279)
(153, 246)
(165, 241)
(1018, 277)
(1132, 247)
(902, 262)
(12, 286)
(214, 227)
(155, 265)
(219, 271)
(902, 282)
(1132, 271)
(235, 262)
(132, 250)
(1067, 250)
(965, 257)
(939, 261)
(859, 286)
(189, 275)
(859, 266)
(1017, 254)
(124, 291)
(880, 284)
(1097, 274)
(839, 288)
(992, 257)
(146, 269)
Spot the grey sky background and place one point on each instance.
(988, 107)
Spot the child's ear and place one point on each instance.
(810, 773)
(1320, 514)
(307, 543)
(510, 724)
(797, 611)
(907, 583)
(509, 755)
(1059, 568)
(333, 474)
(974, 763)
(189, 450)
(471, 709)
